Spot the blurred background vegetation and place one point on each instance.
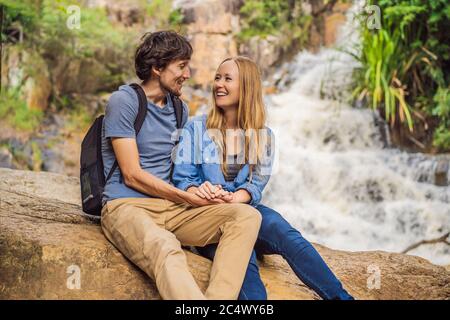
(91, 59)
(56, 79)
(405, 71)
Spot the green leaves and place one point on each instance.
(14, 110)
(283, 18)
(405, 65)
(263, 17)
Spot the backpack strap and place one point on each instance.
(142, 113)
(178, 105)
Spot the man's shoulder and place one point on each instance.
(121, 112)
(124, 93)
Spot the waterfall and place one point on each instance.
(335, 180)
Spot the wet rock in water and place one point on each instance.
(53, 160)
(6, 158)
(45, 241)
(441, 173)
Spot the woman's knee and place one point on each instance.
(276, 230)
(273, 221)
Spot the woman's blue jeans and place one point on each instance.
(277, 236)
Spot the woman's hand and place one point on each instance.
(209, 191)
(226, 196)
(196, 201)
(241, 196)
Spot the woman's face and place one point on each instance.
(226, 85)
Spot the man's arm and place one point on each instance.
(127, 155)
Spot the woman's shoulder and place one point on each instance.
(201, 118)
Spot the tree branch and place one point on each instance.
(327, 7)
(442, 239)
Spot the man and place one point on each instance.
(146, 217)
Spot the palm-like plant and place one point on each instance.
(403, 63)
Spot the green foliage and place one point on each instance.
(263, 17)
(95, 34)
(78, 119)
(98, 46)
(36, 156)
(15, 111)
(283, 18)
(175, 18)
(165, 17)
(442, 110)
(19, 14)
(405, 65)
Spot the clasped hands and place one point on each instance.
(213, 192)
(207, 193)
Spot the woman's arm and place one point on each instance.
(241, 196)
(260, 176)
(186, 172)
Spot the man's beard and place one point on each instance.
(169, 89)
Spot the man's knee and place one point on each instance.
(248, 213)
(162, 241)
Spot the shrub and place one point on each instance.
(405, 66)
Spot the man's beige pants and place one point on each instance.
(150, 233)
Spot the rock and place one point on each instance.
(266, 52)
(45, 241)
(86, 76)
(333, 21)
(211, 26)
(5, 158)
(441, 172)
(328, 17)
(332, 24)
(123, 12)
(28, 72)
(209, 51)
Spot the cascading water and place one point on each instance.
(335, 180)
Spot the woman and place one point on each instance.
(228, 155)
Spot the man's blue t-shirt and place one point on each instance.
(155, 142)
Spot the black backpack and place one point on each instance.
(92, 178)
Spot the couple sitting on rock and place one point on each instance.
(205, 191)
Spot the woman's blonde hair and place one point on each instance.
(251, 113)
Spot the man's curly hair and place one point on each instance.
(158, 49)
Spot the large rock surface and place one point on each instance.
(211, 26)
(45, 240)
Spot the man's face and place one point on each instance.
(173, 76)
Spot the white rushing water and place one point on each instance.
(334, 180)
